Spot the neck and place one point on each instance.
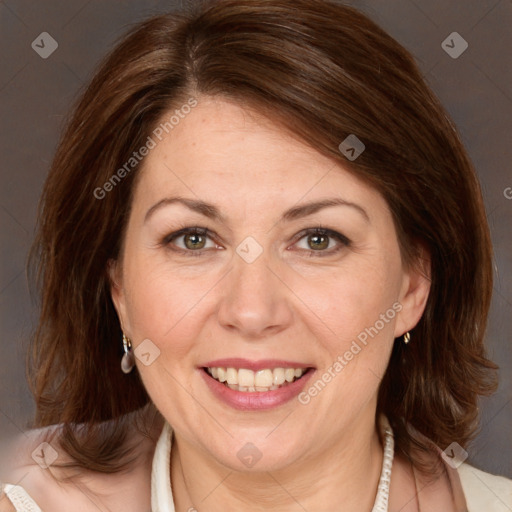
(343, 477)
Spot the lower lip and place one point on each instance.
(258, 400)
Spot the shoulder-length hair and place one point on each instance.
(323, 71)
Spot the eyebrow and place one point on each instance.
(212, 212)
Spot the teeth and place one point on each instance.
(278, 375)
(289, 374)
(231, 376)
(249, 381)
(263, 378)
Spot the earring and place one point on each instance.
(128, 361)
(407, 337)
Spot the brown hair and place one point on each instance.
(323, 71)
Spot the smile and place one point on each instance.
(255, 386)
(249, 381)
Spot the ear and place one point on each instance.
(117, 293)
(414, 293)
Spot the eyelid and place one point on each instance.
(197, 230)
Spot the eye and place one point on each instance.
(195, 241)
(191, 240)
(322, 242)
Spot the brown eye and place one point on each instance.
(322, 241)
(190, 241)
(194, 241)
(318, 242)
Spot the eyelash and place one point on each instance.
(196, 230)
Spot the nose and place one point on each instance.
(256, 301)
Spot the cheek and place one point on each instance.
(355, 312)
(353, 320)
(348, 302)
(164, 304)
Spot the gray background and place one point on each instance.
(35, 96)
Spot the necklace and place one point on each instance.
(161, 492)
(382, 499)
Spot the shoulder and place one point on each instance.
(5, 504)
(18, 469)
(29, 464)
(485, 491)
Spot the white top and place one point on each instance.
(484, 492)
(19, 498)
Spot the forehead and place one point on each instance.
(221, 151)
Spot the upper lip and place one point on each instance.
(261, 364)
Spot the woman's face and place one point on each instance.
(256, 291)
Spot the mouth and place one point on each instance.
(245, 380)
(255, 386)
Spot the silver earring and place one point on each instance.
(128, 361)
(407, 337)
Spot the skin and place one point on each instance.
(291, 303)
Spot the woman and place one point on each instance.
(265, 272)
